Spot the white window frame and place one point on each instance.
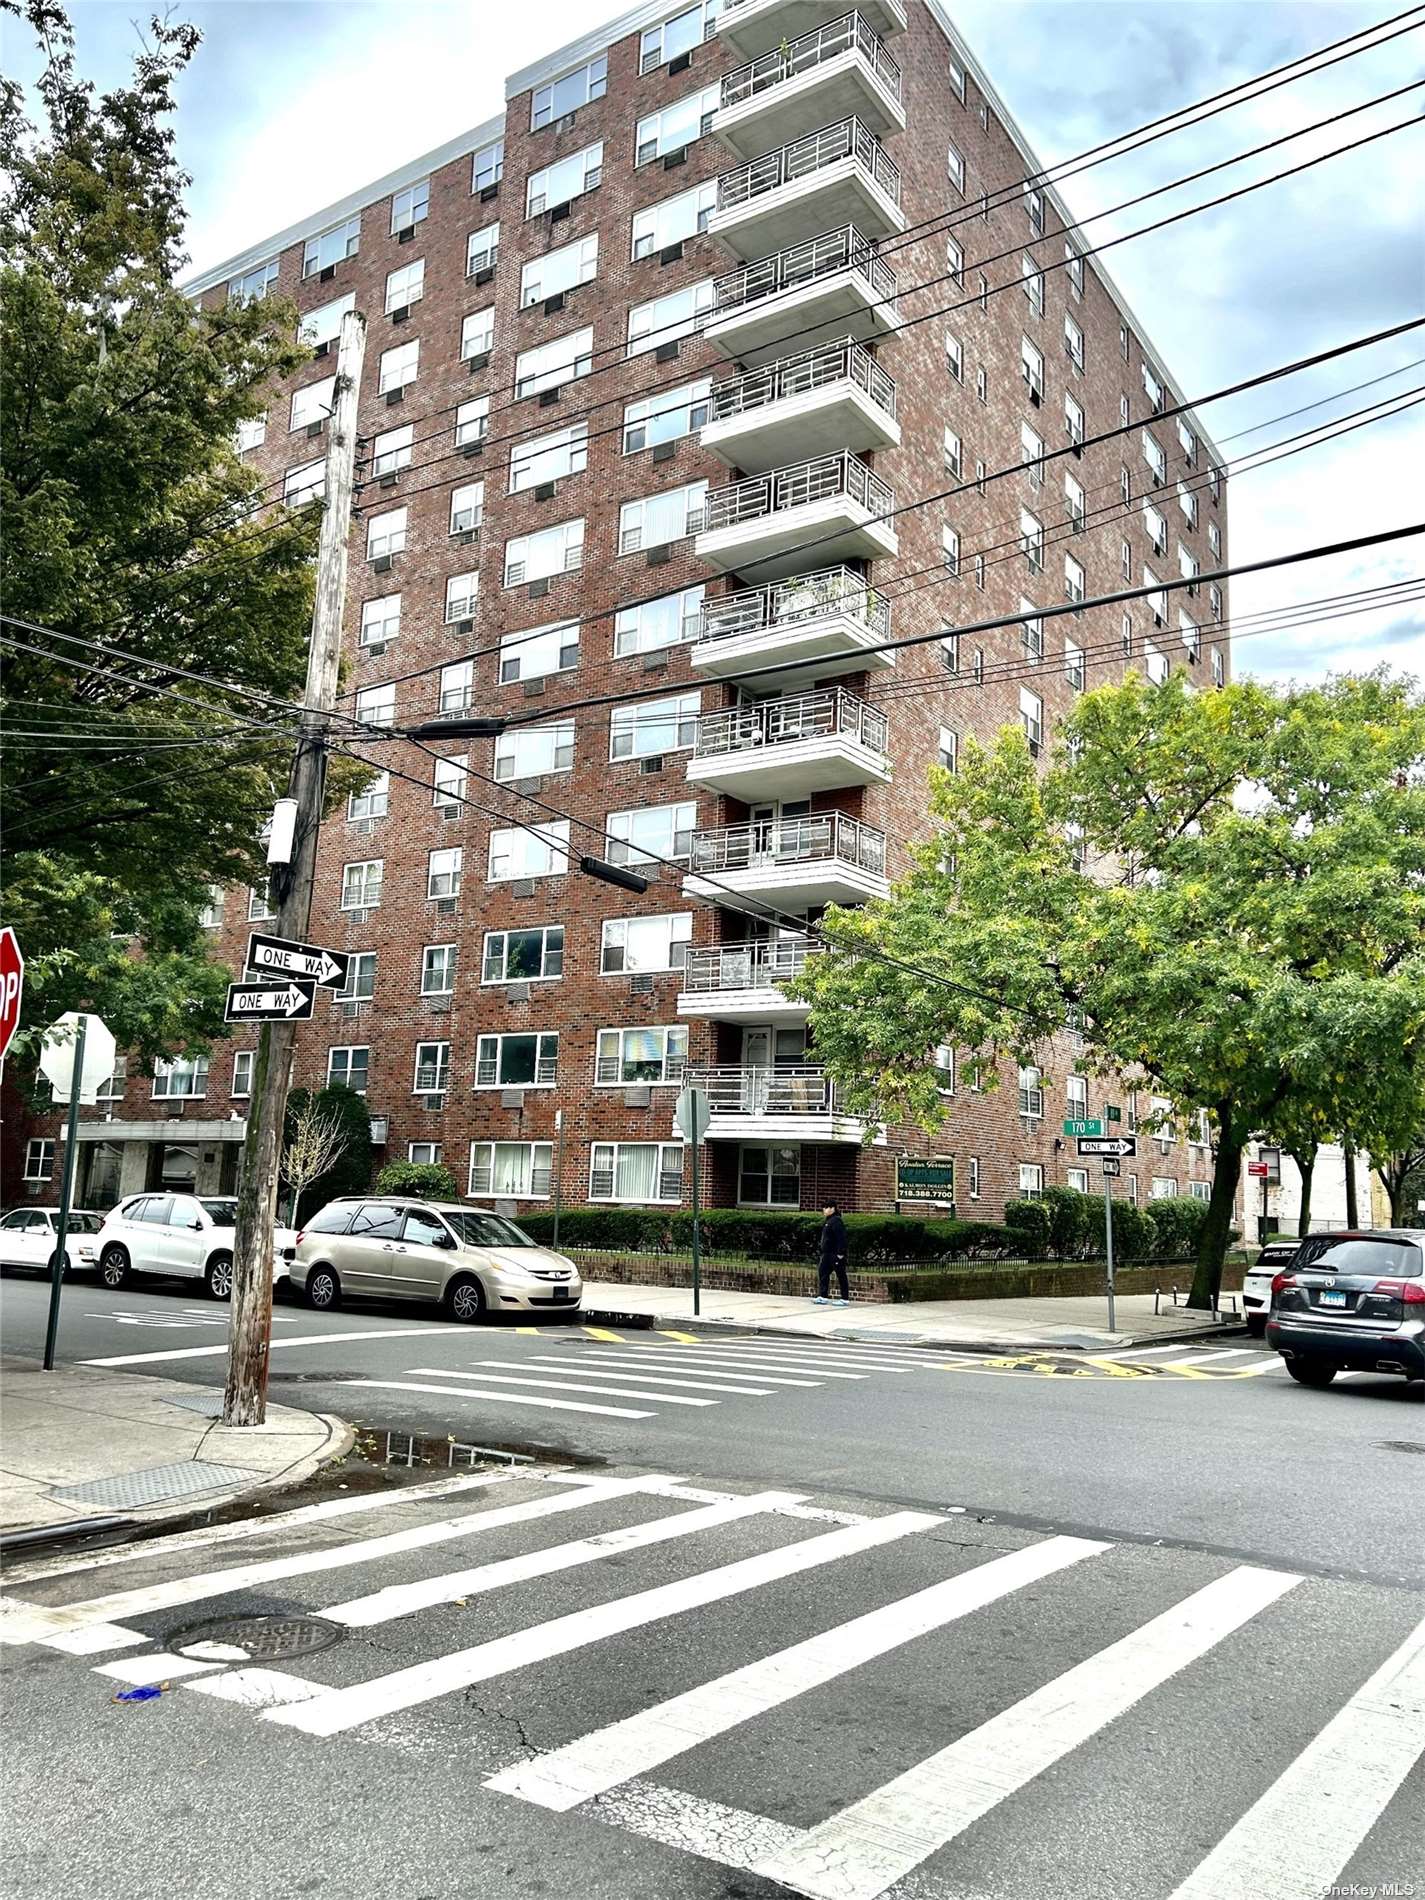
(539, 651)
(633, 946)
(253, 285)
(400, 366)
(477, 333)
(562, 97)
(535, 751)
(548, 552)
(611, 1062)
(674, 314)
(768, 1150)
(350, 1050)
(424, 1154)
(241, 1088)
(650, 728)
(565, 180)
(40, 1153)
(672, 220)
(250, 433)
(666, 416)
(462, 596)
(180, 1079)
(673, 823)
(391, 450)
(435, 1067)
(386, 534)
(438, 968)
(405, 285)
(693, 25)
(955, 168)
(472, 421)
(445, 871)
(410, 206)
(954, 356)
(549, 458)
(1031, 367)
(1031, 716)
(559, 271)
(376, 705)
(364, 891)
(550, 365)
(468, 498)
(457, 686)
(524, 851)
(448, 781)
(1031, 1094)
(323, 324)
(482, 249)
(372, 801)
(655, 521)
(380, 620)
(305, 482)
(332, 246)
(610, 1152)
(487, 166)
(668, 130)
(551, 953)
(952, 452)
(360, 984)
(538, 1167)
(312, 403)
(1031, 1181)
(490, 1049)
(649, 626)
(1074, 342)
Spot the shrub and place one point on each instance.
(1075, 1223)
(1027, 1223)
(1134, 1235)
(1177, 1226)
(873, 1240)
(426, 1180)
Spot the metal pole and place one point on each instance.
(697, 1233)
(66, 1190)
(250, 1323)
(1108, 1243)
(558, 1173)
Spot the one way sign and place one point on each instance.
(269, 1002)
(1108, 1145)
(308, 962)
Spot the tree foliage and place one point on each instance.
(316, 1139)
(349, 1171)
(425, 1180)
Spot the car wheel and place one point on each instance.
(465, 1300)
(113, 1266)
(1257, 1325)
(1309, 1372)
(323, 1289)
(218, 1277)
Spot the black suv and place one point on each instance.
(1352, 1303)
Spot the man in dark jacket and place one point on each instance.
(832, 1259)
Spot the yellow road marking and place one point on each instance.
(683, 1339)
(602, 1332)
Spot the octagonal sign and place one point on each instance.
(57, 1057)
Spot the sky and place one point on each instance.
(290, 104)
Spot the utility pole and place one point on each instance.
(250, 1322)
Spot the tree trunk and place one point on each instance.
(1353, 1218)
(1306, 1164)
(1212, 1244)
(1396, 1190)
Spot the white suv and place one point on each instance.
(184, 1236)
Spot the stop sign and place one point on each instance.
(12, 986)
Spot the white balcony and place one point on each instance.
(840, 174)
(834, 505)
(789, 748)
(837, 71)
(795, 863)
(751, 27)
(788, 1102)
(831, 617)
(835, 396)
(742, 983)
(834, 282)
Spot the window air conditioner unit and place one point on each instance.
(672, 159)
(357, 916)
(1034, 396)
(544, 491)
(667, 352)
(387, 481)
(663, 451)
(351, 1009)
(641, 984)
(433, 1101)
(485, 274)
(323, 349)
(402, 315)
(393, 396)
(315, 428)
(534, 689)
(445, 906)
(559, 213)
(364, 827)
(472, 448)
(325, 275)
(523, 887)
(648, 767)
(680, 64)
(553, 305)
(659, 556)
(488, 193)
(547, 397)
(538, 589)
(406, 236)
(382, 564)
(670, 254)
(463, 626)
(480, 360)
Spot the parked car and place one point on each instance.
(1358, 1305)
(1277, 1253)
(183, 1236)
(27, 1236)
(468, 1260)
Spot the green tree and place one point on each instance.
(1248, 937)
(426, 1180)
(344, 1112)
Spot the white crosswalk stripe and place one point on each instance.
(639, 1356)
(566, 1382)
(683, 1382)
(496, 1398)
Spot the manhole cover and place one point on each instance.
(255, 1638)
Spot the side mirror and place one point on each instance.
(196, 1223)
(447, 1240)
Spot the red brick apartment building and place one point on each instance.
(690, 305)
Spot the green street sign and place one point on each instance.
(1090, 1127)
(1113, 1114)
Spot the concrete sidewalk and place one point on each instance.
(80, 1443)
(975, 1325)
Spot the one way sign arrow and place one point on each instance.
(307, 962)
(1108, 1144)
(269, 1002)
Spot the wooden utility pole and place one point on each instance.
(250, 1323)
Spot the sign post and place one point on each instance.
(1110, 1168)
(558, 1173)
(692, 1116)
(74, 1064)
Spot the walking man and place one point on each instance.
(832, 1259)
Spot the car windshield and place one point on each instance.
(485, 1230)
(221, 1213)
(84, 1223)
(1395, 1259)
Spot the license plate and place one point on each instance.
(1331, 1299)
(561, 1293)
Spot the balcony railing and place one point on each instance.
(783, 721)
(747, 966)
(830, 591)
(792, 1088)
(845, 361)
(823, 256)
(823, 838)
(790, 60)
(848, 138)
(802, 482)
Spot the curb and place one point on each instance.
(650, 1321)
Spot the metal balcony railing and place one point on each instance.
(848, 138)
(783, 488)
(773, 722)
(825, 837)
(823, 256)
(746, 966)
(791, 59)
(791, 1088)
(841, 362)
(829, 591)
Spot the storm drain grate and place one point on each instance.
(153, 1486)
(209, 1404)
(255, 1638)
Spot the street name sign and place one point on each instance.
(930, 1180)
(308, 962)
(1093, 1126)
(1109, 1145)
(269, 1002)
(1112, 1165)
(1113, 1114)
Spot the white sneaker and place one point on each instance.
(820, 1299)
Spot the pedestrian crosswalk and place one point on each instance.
(671, 1648)
(1190, 1361)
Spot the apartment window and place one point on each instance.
(1200, 1190)
(448, 783)
(955, 167)
(1075, 503)
(1156, 664)
(982, 385)
(477, 334)
(488, 166)
(1157, 600)
(242, 1072)
(1031, 540)
(673, 219)
(534, 751)
(1076, 1090)
(952, 452)
(540, 651)
(1078, 1180)
(1125, 560)
(654, 726)
(386, 534)
(655, 1055)
(210, 917)
(561, 183)
(1125, 634)
(305, 483)
(1032, 631)
(1162, 1188)
(1073, 578)
(1152, 388)
(1031, 716)
(558, 271)
(974, 1177)
(656, 520)
(1155, 458)
(519, 852)
(1133, 1190)
(182, 1079)
(980, 570)
(1214, 540)
(323, 325)
(253, 285)
(665, 417)
(251, 433)
(769, 1177)
(349, 1068)
(566, 95)
(955, 262)
(260, 908)
(1189, 634)
(410, 207)
(1123, 341)
(676, 313)
(1034, 209)
(1032, 280)
(1219, 668)
(553, 364)
(1187, 441)
(467, 507)
(399, 366)
(1132, 1121)
(676, 126)
(376, 705)
(432, 1076)
(954, 357)
(438, 969)
(392, 450)
(462, 591)
(1214, 483)
(655, 944)
(360, 984)
(313, 403)
(1074, 666)
(651, 832)
(1187, 501)
(1031, 368)
(457, 685)
(654, 624)
(405, 286)
(443, 872)
(372, 801)
(1214, 600)
(1123, 411)
(950, 652)
(472, 422)
(637, 1171)
(1156, 526)
(948, 751)
(1031, 1094)
(549, 458)
(1031, 1181)
(1073, 343)
(361, 884)
(534, 557)
(524, 956)
(950, 550)
(517, 1061)
(330, 247)
(482, 249)
(1075, 266)
(662, 44)
(425, 1154)
(511, 1170)
(1074, 834)
(1031, 454)
(380, 618)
